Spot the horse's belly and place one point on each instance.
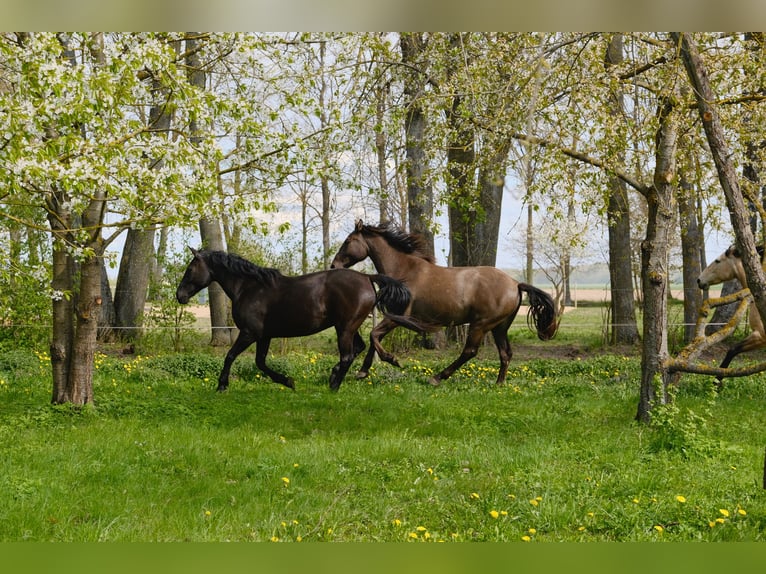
(440, 315)
(300, 328)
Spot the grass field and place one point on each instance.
(553, 455)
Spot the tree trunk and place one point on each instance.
(63, 310)
(654, 266)
(107, 319)
(130, 293)
(210, 230)
(624, 326)
(691, 241)
(384, 201)
(419, 192)
(727, 175)
(138, 255)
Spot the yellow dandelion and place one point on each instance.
(208, 513)
(742, 512)
(274, 538)
(724, 512)
(298, 538)
(475, 496)
(720, 520)
(534, 502)
(532, 531)
(711, 523)
(285, 481)
(526, 538)
(396, 522)
(413, 535)
(659, 528)
(494, 513)
(681, 499)
(635, 501)
(421, 529)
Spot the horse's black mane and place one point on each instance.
(241, 266)
(411, 243)
(735, 252)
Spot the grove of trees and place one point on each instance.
(271, 145)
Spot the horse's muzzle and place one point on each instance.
(182, 298)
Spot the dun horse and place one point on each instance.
(483, 297)
(267, 304)
(726, 267)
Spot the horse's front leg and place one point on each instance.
(261, 350)
(244, 340)
(471, 348)
(376, 336)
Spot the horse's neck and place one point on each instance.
(229, 282)
(390, 261)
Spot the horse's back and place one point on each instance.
(305, 304)
(463, 294)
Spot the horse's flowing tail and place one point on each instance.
(393, 296)
(542, 310)
(393, 299)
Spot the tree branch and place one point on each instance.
(574, 154)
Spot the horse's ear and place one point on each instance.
(193, 251)
(359, 224)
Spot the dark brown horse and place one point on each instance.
(267, 304)
(483, 297)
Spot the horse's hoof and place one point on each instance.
(434, 382)
(222, 388)
(362, 375)
(290, 384)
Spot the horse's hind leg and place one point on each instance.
(261, 351)
(350, 344)
(750, 343)
(500, 334)
(376, 336)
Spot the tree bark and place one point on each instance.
(210, 230)
(727, 175)
(624, 326)
(654, 266)
(691, 243)
(132, 286)
(420, 198)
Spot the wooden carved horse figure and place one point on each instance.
(726, 267)
(267, 304)
(485, 298)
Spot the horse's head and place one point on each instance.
(353, 250)
(197, 277)
(726, 266)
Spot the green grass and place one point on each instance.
(554, 455)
